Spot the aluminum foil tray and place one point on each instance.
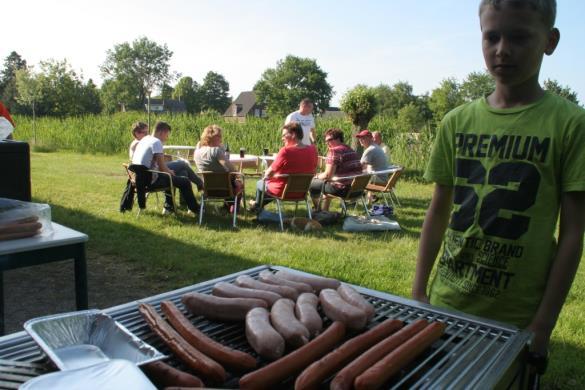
(84, 338)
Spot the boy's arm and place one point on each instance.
(434, 226)
(566, 262)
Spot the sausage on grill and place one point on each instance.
(230, 357)
(249, 282)
(270, 278)
(337, 309)
(228, 290)
(350, 295)
(221, 309)
(263, 338)
(306, 312)
(317, 282)
(282, 317)
(271, 375)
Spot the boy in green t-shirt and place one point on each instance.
(504, 165)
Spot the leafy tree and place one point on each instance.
(445, 98)
(166, 92)
(294, 78)
(90, 98)
(29, 92)
(477, 85)
(214, 93)
(410, 118)
(392, 99)
(115, 96)
(137, 69)
(187, 90)
(61, 89)
(8, 89)
(564, 91)
(361, 105)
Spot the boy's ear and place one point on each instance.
(554, 37)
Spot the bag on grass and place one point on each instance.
(326, 217)
(265, 216)
(369, 224)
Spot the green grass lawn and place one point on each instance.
(84, 192)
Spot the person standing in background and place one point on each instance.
(6, 123)
(304, 116)
(377, 136)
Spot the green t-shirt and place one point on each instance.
(508, 168)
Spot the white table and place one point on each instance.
(183, 151)
(242, 162)
(62, 244)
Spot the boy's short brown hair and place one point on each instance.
(138, 127)
(546, 8)
(335, 134)
(294, 128)
(161, 126)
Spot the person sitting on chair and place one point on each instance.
(211, 156)
(373, 159)
(294, 158)
(180, 167)
(341, 161)
(149, 154)
(377, 136)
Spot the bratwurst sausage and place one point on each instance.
(263, 338)
(221, 309)
(270, 278)
(306, 312)
(249, 282)
(350, 295)
(317, 282)
(282, 317)
(337, 309)
(228, 290)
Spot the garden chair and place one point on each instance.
(387, 190)
(139, 178)
(295, 190)
(354, 194)
(217, 186)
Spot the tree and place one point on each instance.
(445, 98)
(282, 88)
(61, 89)
(137, 69)
(477, 85)
(214, 93)
(29, 92)
(166, 92)
(361, 105)
(392, 99)
(410, 118)
(8, 90)
(564, 91)
(187, 90)
(90, 98)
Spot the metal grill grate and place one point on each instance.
(473, 352)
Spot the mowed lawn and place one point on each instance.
(84, 192)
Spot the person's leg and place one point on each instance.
(184, 186)
(162, 181)
(315, 191)
(255, 205)
(181, 168)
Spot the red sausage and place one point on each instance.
(375, 376)
(271, 375)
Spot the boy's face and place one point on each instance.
(514, 41)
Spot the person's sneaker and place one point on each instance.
(167, 211)
(253, 206)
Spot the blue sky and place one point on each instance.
(370, 42)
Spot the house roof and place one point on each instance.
(246, 99)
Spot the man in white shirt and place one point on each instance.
(304, 116)
(377, 136)
(149, 154)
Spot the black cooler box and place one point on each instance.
(15, 170)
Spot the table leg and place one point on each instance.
(81, 299)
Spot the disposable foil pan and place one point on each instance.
(110, 375)
(83, 338)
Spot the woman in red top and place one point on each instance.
(295, 157)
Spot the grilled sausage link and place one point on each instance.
(375, 376)
(345, 378)
(249, 282)
(316, 373)
(282, 317)
(228, 290)
(221, 309)
(230, 357)
(306, 312)
(317, 282)
(194, 359)
(269, 376)
(267, 276)
(263, 338)
(163, 375)
(337, 309)
(350, 295)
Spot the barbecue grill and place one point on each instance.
(473, 352)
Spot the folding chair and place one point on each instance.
(354, 194)
(296, 184)
(388, 188)
(140, 178)
(217, 186)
